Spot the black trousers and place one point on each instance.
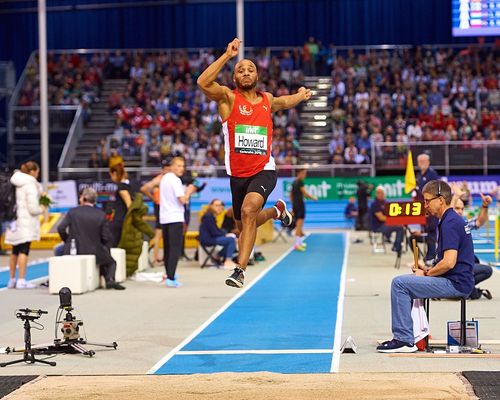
(108, 270)
(172, 246)
(481, 273)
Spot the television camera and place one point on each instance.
(71, 341)
(69, 326)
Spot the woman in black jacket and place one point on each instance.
(211, 234)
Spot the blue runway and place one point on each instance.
(288, 320)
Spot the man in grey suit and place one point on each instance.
(89, 227)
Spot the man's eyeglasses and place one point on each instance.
(427, 201)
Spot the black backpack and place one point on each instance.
(8, 206)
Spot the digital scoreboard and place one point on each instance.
(404, 213)
(475, 17)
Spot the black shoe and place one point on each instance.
(237, 278)
(396, 346)
(115, 285)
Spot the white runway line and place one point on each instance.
(340, 308)
(298, 351)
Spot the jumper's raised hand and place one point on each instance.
(233, 47)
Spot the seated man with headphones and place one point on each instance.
(449, 277)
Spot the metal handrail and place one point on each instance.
(53, 108)
(437, 143)
(72, 139)
(482, 145)
(20, 82)
(269, 48)
(15, 97)
(145, 171)
(154, 170)
(148, 171)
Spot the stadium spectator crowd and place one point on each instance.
(395, 96)
(409, 95)
(73, 79)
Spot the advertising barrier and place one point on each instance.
(323, 188)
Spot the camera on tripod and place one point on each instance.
(70, 326)
(71, 342)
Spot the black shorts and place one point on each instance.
(299, 211)
(262, 183)
(157, 215)
(23, 248)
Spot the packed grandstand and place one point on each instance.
(399, 96)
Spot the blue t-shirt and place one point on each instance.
(349, 209)
(454, 234)
(430, 175)
(375, 207)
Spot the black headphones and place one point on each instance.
(439, 188)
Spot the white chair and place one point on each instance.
(79, 273)
(120, 257)
(377, 240)
(143, 262)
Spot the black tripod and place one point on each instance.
(28, 315)
(72, 342)
(73, 346)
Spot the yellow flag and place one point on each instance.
(410, 180)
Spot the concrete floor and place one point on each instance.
(148, 320)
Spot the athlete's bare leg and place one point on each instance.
(252, 216)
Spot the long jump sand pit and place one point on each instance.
(251, 386)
